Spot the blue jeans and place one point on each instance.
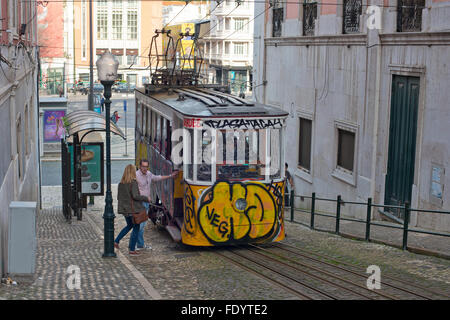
(134, 233)
(140, 238)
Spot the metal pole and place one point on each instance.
(108, 215)
(369, 212)
(126, 127)
(338, 213)
(313, 206)
(405, 226)
(91, 62)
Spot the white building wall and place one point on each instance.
(345, 80)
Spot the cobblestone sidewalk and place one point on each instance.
(60, 246)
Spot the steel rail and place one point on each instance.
(259, 274)
(360, 274)
(327, 273)
(286, 276)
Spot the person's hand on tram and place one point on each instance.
(174, 174)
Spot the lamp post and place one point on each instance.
(107, 72)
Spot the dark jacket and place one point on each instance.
(126, 192)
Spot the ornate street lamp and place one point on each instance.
(107, 72)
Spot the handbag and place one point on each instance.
(139, 217)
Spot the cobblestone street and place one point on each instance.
(174, 271)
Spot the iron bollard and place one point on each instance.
(313, 206)
(405, 226)
(291, 202)
(369, 211)
(338, 213)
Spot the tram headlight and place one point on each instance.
(240, 204)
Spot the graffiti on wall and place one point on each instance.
(229, 213)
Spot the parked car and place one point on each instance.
(125, 87)
(98, 87)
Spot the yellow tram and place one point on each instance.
(230, 155)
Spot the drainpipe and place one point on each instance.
(376, 112)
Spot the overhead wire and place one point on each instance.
(253, 1)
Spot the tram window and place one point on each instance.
(275, 153)
(204, 153)
(238, 154)
(144, 120)
(169, 140)
(150, 125)
(190, 154)
(164, 137)
(138, 117)
(158, 132)
(153, 132)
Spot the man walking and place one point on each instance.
(144, 179)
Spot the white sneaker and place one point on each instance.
(146, 247)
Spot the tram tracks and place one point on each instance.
(308, 275)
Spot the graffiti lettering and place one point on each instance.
(244, 124)
(189, 210)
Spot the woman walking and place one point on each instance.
(130, 201)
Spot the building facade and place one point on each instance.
(19, 65)
(228, 44)
(123, 27)
(367, 87)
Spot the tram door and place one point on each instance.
(402, 142)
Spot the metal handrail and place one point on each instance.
(339, 202)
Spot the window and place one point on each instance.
(277, 19)
(409, 15)
(132, 59)
(119, 58)
(102, 24)
(240, 48)
(117, 24)
(227, 47)
(309, 17)
(346, 149)
(304, 148)
(132, 24)
(352, 10)
(240, 24)
(227, 23)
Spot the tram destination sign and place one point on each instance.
(233, 123)
(244, 123)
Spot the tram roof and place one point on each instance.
(209, 103)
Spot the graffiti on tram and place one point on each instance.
(217, 217)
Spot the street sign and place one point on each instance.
(124, 105)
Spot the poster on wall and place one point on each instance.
(54, 125)
(92, 181)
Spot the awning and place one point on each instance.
(88, 121)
